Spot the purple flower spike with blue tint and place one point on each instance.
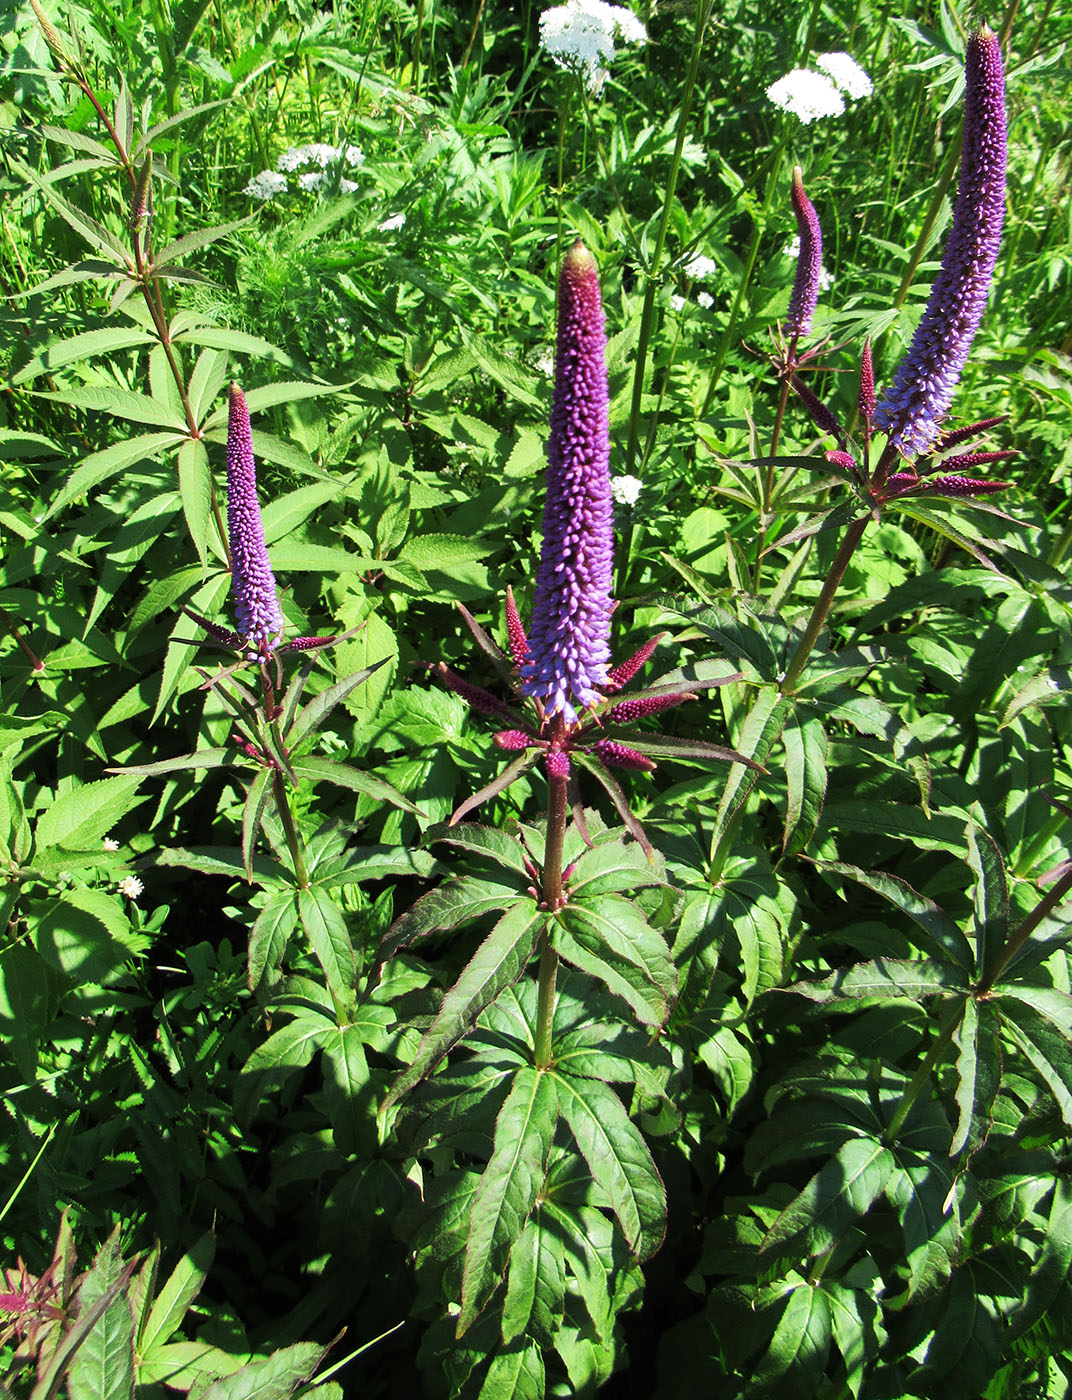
(805, 294)
(260, 622)
(568, 636)
(913, 407)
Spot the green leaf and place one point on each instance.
(1043, 1038)
(977, 1038)
(86, 935)
(457, 901)
(612, 940)
(103, 1366)
(325, 927)
(286, 513)
(257, 798)
(500, 847)
(313, 715)
(195, 489)
(618, 1159)
(612, 867)
(805, 775)
(345, 775)
(842, 1191)
(347, 1090)
(1049, 1277)
(285, 1052)
(220, 338)
(991, 896)
(94, 233)
(200, 238)
(122, 403)
(275, 1378)
(80, 818)
(942, 940)
(177, 1294)
(578, 1227)
(524, 1131)
(759, 733)
(799, 1347)
(536, 1284)
(81, 347)
(884, 978)
(515, 1373)
(100, 466)
(497, 963)
(268, 939)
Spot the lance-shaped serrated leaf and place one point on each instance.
(345, 775)
(867, 715)
(618, 1159)
(941, 938)
(516, 1373)
(612, 940)
(498, 784)
(964, 1351)
(760, 731)
(535, 1285)
(805, 777)
(275, 925)
(455, 902)
(838, 1195)
(991, 897)
(101, 466)
(121, 403)
(275, 1378)
(845, 514)
(978, 1045)
(284, 1054)
(103, 1366)
(497, 964)
(200, 238)
(257, 798)
(325, 927)
(182, 1287)
(613, 867)
(92, 232)
(81, 347)
(485, 842)
(1049, 1277)
(317, 710)
(799, 1348)
(1038, 1020)
(614, 791)
(884, 978)
(932, 514)
(575, 1228)
(920, 1192)
(524, 1131)
(82, 816)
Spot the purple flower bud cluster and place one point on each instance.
(260, 621)
(914, 405)
(805, 294)
(568, 642)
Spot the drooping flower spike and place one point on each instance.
(919, 398)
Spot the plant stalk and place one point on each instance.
(853, 535)
(553, 900)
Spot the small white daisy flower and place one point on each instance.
(132, 887)
(266, 185)
(626, 489)
(845, 73)
(807, 95)
(580, 36)
(110, 843)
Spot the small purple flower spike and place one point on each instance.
(568, 636)
(260, 621)
(805, 294)
(914, 405)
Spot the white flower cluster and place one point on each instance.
(700, 267)
(270, 183)
(808, 95)
(626, 489)
(580, 34)
(131, 886)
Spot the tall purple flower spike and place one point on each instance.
(805, 294)
(570, 627)
(914, 405)
(260, 622)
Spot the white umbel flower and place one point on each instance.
(580, 36)
(266, 185)
(807, 95)
(626, 489)
(845, 73)
(705, 299)
(699, 267)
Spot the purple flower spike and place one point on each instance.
(866, 400)
(568, 636)
(912, 408)
(616, 755)
(260, 621)
(805, 293)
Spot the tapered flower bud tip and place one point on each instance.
(568, 638)
(512, 740)
(805, 294)
(256, 602)
(867, 383)
(919, 398)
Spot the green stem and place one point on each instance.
(853, 535)
(768, 481)
(290, 830)
(703, 14)
(553, 900)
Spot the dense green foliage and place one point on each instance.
(272, 1056)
